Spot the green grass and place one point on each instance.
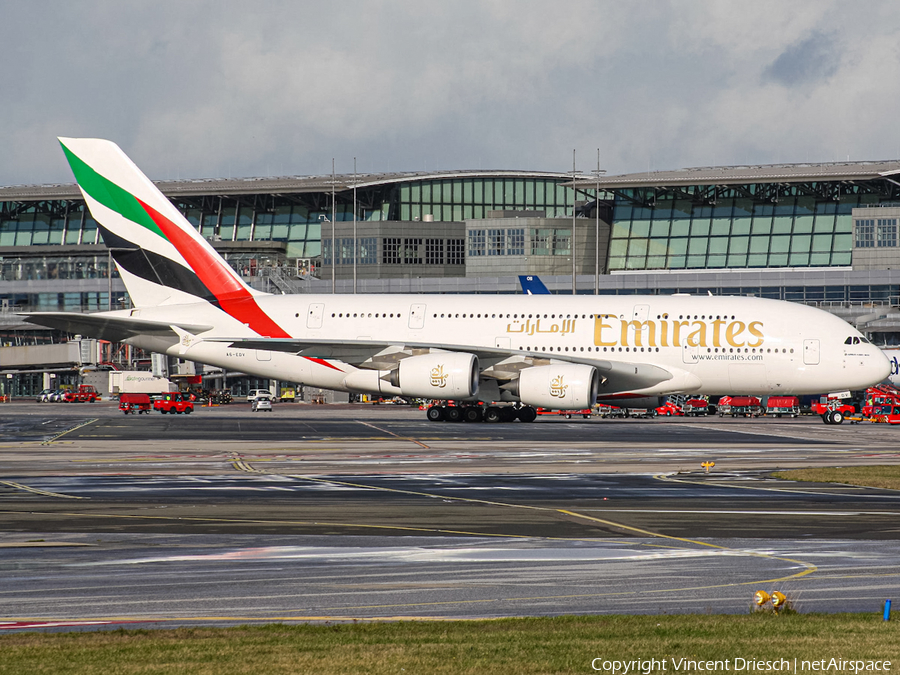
(520, 646)
(869, 476)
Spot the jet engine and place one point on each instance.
(442, 375)
(566, 386)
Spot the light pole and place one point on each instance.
(333, 242)
(355, 240)
(597, 173)
(324, 219)
(572, 243)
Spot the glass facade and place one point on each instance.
(840, 294)
(460, 199)
(735, 229)
(299, 219)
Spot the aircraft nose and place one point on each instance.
(879, 365)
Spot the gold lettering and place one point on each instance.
(676, 332)
(754, 331)
(639, 327)
(716, 324)
(697, 338)
(663, 333)
(599, 325)
(731, 333)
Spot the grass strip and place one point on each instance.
(522, 646)
(867, 476)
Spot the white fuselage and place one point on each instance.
(712, 345)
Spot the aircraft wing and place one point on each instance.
(105, 327)
(501, 363)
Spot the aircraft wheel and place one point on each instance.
(508, 414)
(837, 417)
(492, 414)
(452, 414)
(826, 417)
(473, 413)
(527, 414)
(435, 413)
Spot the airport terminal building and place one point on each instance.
(823, 234)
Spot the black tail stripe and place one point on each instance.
(155, 268)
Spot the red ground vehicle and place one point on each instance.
(695, 407)
(881, 404)
(669, 409)
(783, 405)
(174, 402)
(134, 403)
(84, 394)
(745, 406)
(879, 396)
(830, 404)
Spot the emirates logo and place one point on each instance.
(438, 377)
(558, 387)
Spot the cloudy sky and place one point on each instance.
(197, 88)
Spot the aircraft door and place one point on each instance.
(811, 352)
(314, 315)
(641, 313)
(417, 316)
(690, 353)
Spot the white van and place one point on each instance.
(259, 393)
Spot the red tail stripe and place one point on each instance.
(322, 362)
(233, 298)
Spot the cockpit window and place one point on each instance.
(848, 341)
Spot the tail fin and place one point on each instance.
(532, 285)
(161, 257)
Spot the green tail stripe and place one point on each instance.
(109, 194)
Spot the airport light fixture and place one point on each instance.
(778, 600)
(572, 240)
(324, 219)
(597, 173)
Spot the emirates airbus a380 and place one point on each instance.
(553, 351)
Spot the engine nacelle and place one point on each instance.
(371, 382)
(442, 375)
(566, 386)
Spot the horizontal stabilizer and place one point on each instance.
(108, 327)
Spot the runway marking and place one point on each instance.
(68, 431)
(38, 491)
(249, 521)
(757, 513)
(810, 568)
(806, 441)
(391, 433)
(666, 478)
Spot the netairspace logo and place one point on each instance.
(736, 665)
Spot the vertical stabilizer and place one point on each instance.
(161, 257)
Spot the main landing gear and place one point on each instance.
(476, 413)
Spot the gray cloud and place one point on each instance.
(809, 60)
(234, 88)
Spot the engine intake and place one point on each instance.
(442, 375)
(566, 386)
